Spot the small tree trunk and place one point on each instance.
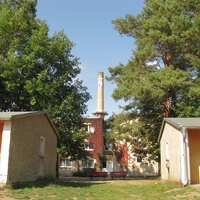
(167, 105)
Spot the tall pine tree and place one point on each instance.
(162, 77)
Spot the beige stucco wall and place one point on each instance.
(25, 164)
(172, 136)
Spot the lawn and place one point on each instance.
(101, 190)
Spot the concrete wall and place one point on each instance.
(142, 168)
(25, 162)
(171, 155)
(4, 156)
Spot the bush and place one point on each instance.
(83, 173)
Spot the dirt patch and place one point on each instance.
(196, 186)
(189, 195)
(3, 194)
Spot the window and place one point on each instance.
(88, 163)
(167, 150)
(89, 128)
(42, 147)
(89, 146)
(65, 162)
(108, 147)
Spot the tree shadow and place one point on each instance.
(42, 183)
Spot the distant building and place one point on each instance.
(106, 155)
(28, 143)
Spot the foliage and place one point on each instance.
(121, 153)
(127, 128)
(38, 72)
(83, 173)
(162, 77)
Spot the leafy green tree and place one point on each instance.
(38, 72)
(162, 77)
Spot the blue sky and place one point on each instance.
(87, 23)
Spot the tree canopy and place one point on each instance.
(38, 72)
(162, 77)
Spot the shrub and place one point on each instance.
(83, 173)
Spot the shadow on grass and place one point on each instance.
(42, 183)
(73, 182)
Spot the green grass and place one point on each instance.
(101, 190)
